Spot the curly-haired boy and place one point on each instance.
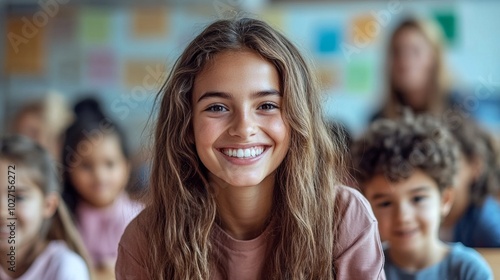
(406, 168)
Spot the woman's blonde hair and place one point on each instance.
(439, 78)
(26, 154)
(181, 204)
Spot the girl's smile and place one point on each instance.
(244, 155)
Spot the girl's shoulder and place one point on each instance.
(134, 238)
(66, 262)
(133, 248)
(357, 237)
(57, 261)
(350, 206)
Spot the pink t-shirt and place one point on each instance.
(359, 254)
(102, 228)
(56, 262)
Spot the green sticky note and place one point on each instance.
(448, 22)
(359, 77)
(95, 25)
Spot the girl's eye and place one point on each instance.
(216, 108)
(268, 106)
(86, 166)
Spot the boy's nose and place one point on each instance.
(243, 125)
(404, 212)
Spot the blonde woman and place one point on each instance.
(417, 77)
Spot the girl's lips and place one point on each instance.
(250, 152)
(244, 160)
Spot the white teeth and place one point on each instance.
(244, 153)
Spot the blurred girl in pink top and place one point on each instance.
(246, 179)
(96, 172)
(38, 240)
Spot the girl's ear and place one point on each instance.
(51, 202)
(447, 197)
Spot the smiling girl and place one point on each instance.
(246, 178)
(46, 243)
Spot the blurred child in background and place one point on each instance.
(474, 219)
(44, 121)
(406, 169)
(96, 172)
(47, 244)
(417, 77)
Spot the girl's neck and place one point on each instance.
(412, 262)
(244, 212)
(25, 256)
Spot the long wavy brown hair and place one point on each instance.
(181, 207)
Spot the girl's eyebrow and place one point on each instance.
(225, 95)
(212, 94)
(22, 188)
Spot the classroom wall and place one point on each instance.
(122, 53)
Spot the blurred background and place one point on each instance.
(120, 51)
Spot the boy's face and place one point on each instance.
(409, 211)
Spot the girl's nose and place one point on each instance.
(243, 124)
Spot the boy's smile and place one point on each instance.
(409, 211)
(239, 131)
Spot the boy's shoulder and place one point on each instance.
(461, 263)
(468, 263)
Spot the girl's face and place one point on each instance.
(412, 65)
(31, 208)
(103, 171)
(239, 130)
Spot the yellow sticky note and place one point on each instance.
(150, 22)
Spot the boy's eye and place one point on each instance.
(384, 204)
(268, 106)
(418, 198)
(216, 108)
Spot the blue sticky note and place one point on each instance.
(328, 40)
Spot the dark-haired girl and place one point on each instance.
(96, 172)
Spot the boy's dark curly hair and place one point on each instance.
(396, 148)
